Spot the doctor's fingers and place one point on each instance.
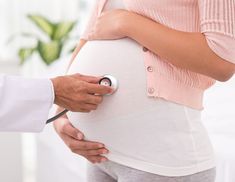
(98, 89)
(94, 99)
(87, 78)
(89, 107)
(84, 107)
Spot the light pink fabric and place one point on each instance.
(224, 46)
(214, 18)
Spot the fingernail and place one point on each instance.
(105, 151)
(104, 160)
(80, 136)
(101, 146)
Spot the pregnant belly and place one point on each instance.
(124, 60)
(128, 121)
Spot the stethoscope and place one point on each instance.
(106, 80)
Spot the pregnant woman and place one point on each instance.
(165, 54)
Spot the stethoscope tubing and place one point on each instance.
(57, 116)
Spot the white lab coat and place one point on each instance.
(24, 103)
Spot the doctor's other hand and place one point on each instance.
(74, 139)
(79, 93)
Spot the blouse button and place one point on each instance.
(151, 90)
(145, 49)
(150, 69)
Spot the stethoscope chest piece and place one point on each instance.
(109, 80)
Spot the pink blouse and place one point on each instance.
(214, 18)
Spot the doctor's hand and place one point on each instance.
(74, 139)
(79, 93)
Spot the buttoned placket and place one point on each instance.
(150, 69)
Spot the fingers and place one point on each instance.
(98, 89)
(90, 107)
(89, 79)
(82, 95)
(82, 145)
(96, 159)
(94, 99)
(69, 130)
(92, 152)
(84, 111)
(93, 86)
(86, 108)
(75, 144)
(92, 102)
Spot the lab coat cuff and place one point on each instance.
(52, 93)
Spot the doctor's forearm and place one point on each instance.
(182, 49)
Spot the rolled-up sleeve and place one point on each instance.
(96, 10)
(217, 21)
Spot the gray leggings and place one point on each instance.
(113, 172)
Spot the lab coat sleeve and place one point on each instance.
(24, 103)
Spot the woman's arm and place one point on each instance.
(203, 52)
(182, 49)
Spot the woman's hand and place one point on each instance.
(74, 139)
(110, 25)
